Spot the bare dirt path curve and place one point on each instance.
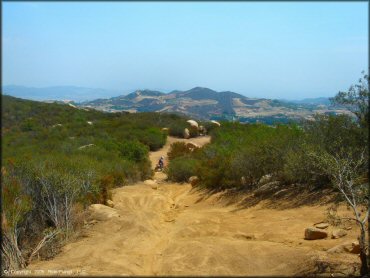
(177, 230)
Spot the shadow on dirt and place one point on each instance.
(286, 197)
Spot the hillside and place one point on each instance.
(27, 115)
(58, 159)
(205, 103)
(254, 192)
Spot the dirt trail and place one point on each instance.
(177, 230)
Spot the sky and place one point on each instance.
(285, 50)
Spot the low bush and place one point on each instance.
(177, 129)
(300, 168)
(181, 169)
(178, 149)
(240, 154)
(153, 138)
(134, 151)
(193, 131)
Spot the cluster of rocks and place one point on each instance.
(193, 125)
(319, 231)
(201, 129)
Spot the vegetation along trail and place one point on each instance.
(162, 228)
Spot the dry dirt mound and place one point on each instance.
(174, 230)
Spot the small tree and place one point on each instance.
(356, 99)
(347, 172)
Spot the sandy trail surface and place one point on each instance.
(174, 229)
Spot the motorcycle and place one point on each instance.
(159, 167)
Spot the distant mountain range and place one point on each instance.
(199, 102)
(204, 103)
(73, 93)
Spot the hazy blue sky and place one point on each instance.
(275, 50)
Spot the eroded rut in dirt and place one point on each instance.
(172, 229)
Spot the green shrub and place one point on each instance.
(181, 169)
(193, 131)
(300, 168)
(134, 151)
(209, 126)
(154, 138)
(177, 129)
(240, 154)
(247, 163)
(332, 133)
(178, 149)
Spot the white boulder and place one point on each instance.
(216, 123)
(186, 133)
(193, 123)
(101, 212)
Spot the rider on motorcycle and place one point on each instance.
(161, 163)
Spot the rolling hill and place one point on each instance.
(205, 103)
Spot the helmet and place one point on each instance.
(162, 157)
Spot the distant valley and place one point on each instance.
(72, 93)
